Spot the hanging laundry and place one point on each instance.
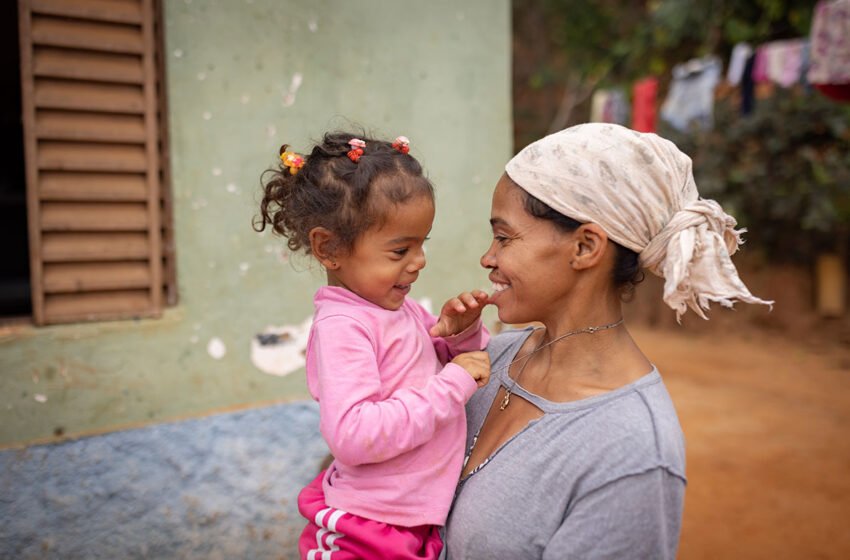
(597, 105)
(616, 108)
(691, 96)
(759, 74)
(830, 50)
(740, 53)
(784, 61)
(748, 87)
(609, 106)
(805, 63)
(644, 94)
(829, 56)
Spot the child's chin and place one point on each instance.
(393, 305)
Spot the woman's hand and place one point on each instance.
(459, 313)
(477, 364)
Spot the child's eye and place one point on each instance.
(400, 252)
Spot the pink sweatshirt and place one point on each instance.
(391, 407)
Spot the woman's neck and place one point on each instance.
(581, 313)
(570, 366)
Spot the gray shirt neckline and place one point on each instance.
(552, 407)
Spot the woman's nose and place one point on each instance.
(488, 259)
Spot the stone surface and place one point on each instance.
(223, 486)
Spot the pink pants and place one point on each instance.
(332, 534)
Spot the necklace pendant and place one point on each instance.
(506, 400)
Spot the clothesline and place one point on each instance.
(821, 60)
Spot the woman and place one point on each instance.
(574, 448)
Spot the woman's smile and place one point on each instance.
(498, 288)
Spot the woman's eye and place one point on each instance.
(501, 239)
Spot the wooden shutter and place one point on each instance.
(93, 134)
(169, 259)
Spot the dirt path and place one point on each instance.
(767, 424)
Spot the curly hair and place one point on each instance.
(336, 193)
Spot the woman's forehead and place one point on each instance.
(507, 195)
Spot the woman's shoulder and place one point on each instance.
(639, 430)
(506, 343)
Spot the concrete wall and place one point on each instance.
(245, 77)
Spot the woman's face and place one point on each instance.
(529, 259)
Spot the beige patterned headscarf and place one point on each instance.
(640, 189)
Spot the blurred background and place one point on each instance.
(152, 401)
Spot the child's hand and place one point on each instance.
(460, 312)
(477, 364)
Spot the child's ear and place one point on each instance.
(322, 247)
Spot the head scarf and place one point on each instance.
(640, 189)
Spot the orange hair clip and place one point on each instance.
(292, 161)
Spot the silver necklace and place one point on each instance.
(506, 400)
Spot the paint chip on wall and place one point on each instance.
(216, 348)
(294, 85)
(281, 350)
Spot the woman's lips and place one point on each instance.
(498, 287)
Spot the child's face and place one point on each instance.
(386, 259)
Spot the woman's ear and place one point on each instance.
(591, 245)
(322, 247)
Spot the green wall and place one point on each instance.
(437, 72)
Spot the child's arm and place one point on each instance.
(361, 424)
(459, 313)
(459, 328)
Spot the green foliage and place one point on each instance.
(783, 171)
(623, 40)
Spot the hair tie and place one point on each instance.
(356, 150)
(292, 161)
(402, 144)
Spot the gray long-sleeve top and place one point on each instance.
(602, 477)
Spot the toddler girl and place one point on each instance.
(391, 380)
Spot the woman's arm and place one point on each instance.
(636, 517)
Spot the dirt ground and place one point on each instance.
(767, 425)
